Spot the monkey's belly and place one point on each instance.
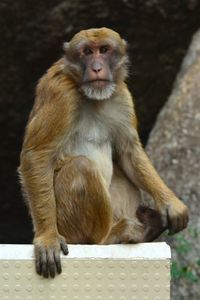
(100, 154)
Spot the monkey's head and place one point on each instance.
(96, 59)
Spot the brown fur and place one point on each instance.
(76, 194)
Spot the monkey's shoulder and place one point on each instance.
(55, 92)
(55, 82)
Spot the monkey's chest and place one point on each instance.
(91, 139)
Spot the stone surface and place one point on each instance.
(174, 148)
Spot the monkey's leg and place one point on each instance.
(134, 223)
(84, 212)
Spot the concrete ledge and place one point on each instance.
(90, 272)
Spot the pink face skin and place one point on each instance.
(96, 61)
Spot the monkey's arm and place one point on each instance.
(37, 177)
(139, 169)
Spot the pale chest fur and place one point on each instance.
(95, 133)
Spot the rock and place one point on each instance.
(174, 148)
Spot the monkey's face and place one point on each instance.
(96, 59)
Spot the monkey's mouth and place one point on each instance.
(99, 83)
(98, 89)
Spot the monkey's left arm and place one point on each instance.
(139, 169)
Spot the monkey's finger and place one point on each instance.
(57, 261)
(44, 263)
(182, 222)
(186, 220)
(38, 262)
(176, 225)
(64, 247)
(165, 218)
(51, 263)
(171, 224)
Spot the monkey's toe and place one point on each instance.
(152, 221)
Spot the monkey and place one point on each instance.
(82, 164)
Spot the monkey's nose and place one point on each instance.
(96, 67)
(97, 70)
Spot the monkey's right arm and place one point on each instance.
(37, 180)
(37, 176)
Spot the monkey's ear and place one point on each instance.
(66, 46)
(124, 44)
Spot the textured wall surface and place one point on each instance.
(119, 272)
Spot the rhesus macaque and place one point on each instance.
(82, 163)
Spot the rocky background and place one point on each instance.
(174, 148)
(159, 33)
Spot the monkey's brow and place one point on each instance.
(103, 42)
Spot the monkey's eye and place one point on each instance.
(87, 51)
(104, 49)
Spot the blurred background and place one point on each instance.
(159, 33)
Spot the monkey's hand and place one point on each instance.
(175, 213)
(47, 254)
